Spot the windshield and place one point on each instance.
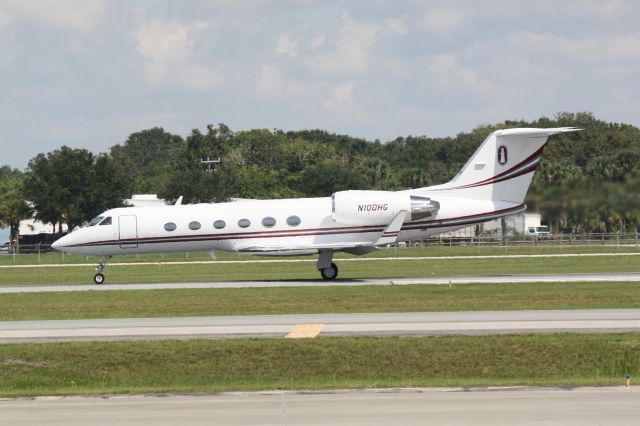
(542, 229)
(95, 221)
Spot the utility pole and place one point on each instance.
(210, 163)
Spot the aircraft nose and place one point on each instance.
(57, 244)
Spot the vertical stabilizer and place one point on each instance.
(502, 167)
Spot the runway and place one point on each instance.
(440, 280)
(279, 326)
(582, 406)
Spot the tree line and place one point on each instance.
(586, 181)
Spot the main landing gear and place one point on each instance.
(328, 270)
(98, 278)
(330, 273)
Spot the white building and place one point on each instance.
(145, 200)
(517, 224)
(35, 227)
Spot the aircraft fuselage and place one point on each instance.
(280, 227)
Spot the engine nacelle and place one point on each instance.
(378, 207)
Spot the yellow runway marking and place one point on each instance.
(305, 331)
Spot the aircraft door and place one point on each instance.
(128, 231)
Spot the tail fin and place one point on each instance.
(502, 167)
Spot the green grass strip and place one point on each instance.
(301, 300)
(261, 364)
(443, 250)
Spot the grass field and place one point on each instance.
(300, 300)
(258, 364)
(380, 268)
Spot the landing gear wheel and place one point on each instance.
(330, 273)
(99, 277)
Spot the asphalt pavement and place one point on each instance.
(370, 324)
(440, 280)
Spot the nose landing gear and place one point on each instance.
(98, 278)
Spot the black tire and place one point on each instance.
(98, 278)
(330, 273)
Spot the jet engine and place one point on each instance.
(379, 207)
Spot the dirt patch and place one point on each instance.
(16, 361)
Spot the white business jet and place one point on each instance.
(492, 184)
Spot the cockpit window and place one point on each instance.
(107, 221)
(95, 221)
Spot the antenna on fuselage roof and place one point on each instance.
(178, 201)
(210, 163)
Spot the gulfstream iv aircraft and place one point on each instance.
(492, 184)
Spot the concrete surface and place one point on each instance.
(443, 280)
(277, 326)
(582, 406)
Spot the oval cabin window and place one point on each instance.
(293, 221)
(219, 224)
(268, 222)
(194, 226)
(244, 223)
(170, 226)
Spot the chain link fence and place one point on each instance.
(629, 239)
(478, 243)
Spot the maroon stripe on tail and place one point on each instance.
(492, 179)
(520, 173)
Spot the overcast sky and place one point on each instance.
(88, 73)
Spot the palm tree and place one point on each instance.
(13, 207)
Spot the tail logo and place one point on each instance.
(502, 155)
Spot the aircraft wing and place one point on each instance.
(390, 233)
(388, 236)
(329, 246)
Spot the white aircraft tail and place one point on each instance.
(502, 167)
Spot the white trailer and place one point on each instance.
(519, 224)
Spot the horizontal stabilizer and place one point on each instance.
(534, 132)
